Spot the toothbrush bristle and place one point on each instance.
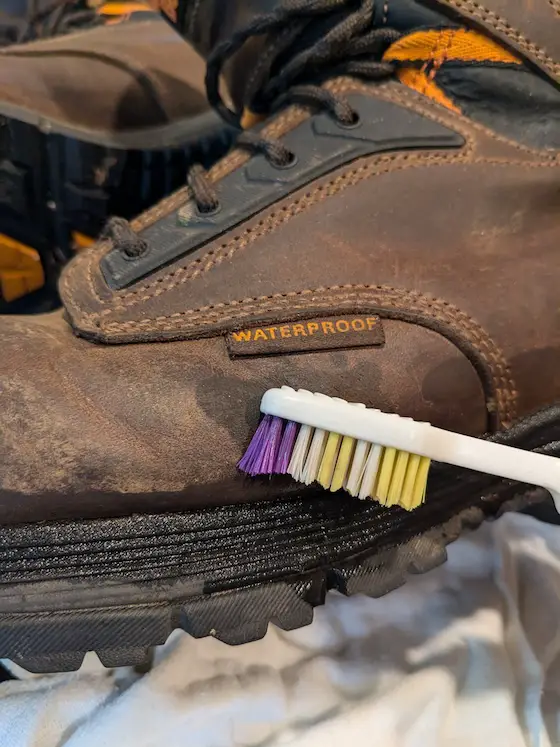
(365, 470)
(252, 456)
(301, 447)
(260, 457)
(328, 462)
(286, 448)
(314, 457)
(343, 463)
(367, 488)
(271, 448)
(357, 468)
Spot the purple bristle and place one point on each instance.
(265, 466)
(252, 456)
(260, 457)
(286, 447)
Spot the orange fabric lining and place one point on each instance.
(433, 49)
(463, 45)
(250, 119)
(122, 8)
(421, 82)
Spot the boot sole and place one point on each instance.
(120, 586)
(58, 186)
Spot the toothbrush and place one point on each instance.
(372, 454)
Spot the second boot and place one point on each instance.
(101, 112)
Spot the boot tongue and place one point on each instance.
(210, 22)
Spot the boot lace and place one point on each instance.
(349, 46)
(59, 17)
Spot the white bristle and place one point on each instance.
(301, 447)
(370, 473)
(314, 457)
(357, 469)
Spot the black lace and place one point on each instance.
(349, 46)
(59, 17)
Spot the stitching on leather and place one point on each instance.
(388, 296)
(459, 122)
(503, 26)
(294, 115)
(275, 219)
(284, 122)
(291, 117)
(226, 251)
(343, 84)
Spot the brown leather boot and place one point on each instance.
(406, 176)
(101, 112)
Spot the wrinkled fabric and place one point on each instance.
(465, 655)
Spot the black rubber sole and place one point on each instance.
(121, 586)
(55, 189)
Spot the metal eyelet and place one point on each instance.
(288, 165)
(133, 257)
(208, 213)
(356, 121)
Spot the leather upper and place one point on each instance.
(363, 237)
(449, 238)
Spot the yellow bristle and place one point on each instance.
(414, 496)
(398, 478)
(407, 495)
(420, 483)
(385, 474)
(343, 463)
(328, 462)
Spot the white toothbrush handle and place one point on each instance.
(391, 430)
(493, 459)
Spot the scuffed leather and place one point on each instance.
(92, 430)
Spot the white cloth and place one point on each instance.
(465, 655)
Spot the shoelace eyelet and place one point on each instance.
(356, 121)
(136, 255)
(285, 164)
(208, 213)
